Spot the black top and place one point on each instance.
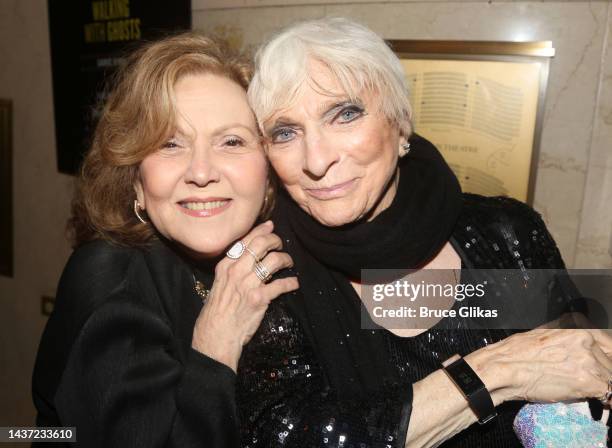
(285, 396)
(116, 360)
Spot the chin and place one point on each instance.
(204, 249)
(336, 217)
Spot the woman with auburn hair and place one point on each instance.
(151, 317)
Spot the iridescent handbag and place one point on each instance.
(560, 425)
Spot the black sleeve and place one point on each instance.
(111, 365)
(323, 419)
(542, 253)
(123, 387)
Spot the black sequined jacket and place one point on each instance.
(283, 395)
(116, 362)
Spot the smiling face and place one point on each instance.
(336, 157)
(205, 187)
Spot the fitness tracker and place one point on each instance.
(472, 388)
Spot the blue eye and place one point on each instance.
(282, 135)
(349, 114)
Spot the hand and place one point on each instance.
(553, 364)
(238, 299)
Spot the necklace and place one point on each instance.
(200, 289)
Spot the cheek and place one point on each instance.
(159, 179)
(249, 176)
(287, 165)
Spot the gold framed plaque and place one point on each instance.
(481, 103)
(6, 188)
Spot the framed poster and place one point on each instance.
(88, 41)
(6, 188)
(481, 104)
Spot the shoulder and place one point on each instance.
(98, 272)
(510, 227)
(97, 267)
(499, 211)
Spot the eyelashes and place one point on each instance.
(234, 142)
(229, 142)
(340, 114)
(349, 113)
(170, 144)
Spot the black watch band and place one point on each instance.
(472, 388)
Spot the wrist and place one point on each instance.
(493, 372)
(225, 352)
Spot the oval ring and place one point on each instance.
(236, 251)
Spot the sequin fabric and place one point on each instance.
(559, 425)
(282, 394)
(284, 401)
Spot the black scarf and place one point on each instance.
(409, 233)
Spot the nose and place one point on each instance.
(319, 155)
(202, 168)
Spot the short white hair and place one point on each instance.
(356, 56)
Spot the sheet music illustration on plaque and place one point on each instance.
(481, 104)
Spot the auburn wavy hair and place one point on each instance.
(137, 117)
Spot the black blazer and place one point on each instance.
(115, 359)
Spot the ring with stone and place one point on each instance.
(608, 395)
(262, 272)
(236, 250)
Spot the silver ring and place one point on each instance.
(608, 395)
(262, 272)
(253, 254)
(236, 251)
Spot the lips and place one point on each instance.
(333, 192)
(203, 208)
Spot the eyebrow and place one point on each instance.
(232, 126)
(336, 103)
(323, 110)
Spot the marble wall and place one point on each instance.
(574, 181)
(574, 185)
(594, 242)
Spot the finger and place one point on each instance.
(278, 287)
(273, 262)
(262, 244)
(602, 358)
(603, 339)
(262, 229)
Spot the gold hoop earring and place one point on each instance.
(137, 213)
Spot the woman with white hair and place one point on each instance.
(361, 191)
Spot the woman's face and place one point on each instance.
(337, 158)
(205, 187)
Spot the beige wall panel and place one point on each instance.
(594, 248)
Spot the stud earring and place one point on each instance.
(404, 149)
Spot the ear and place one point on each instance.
(139, 192)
